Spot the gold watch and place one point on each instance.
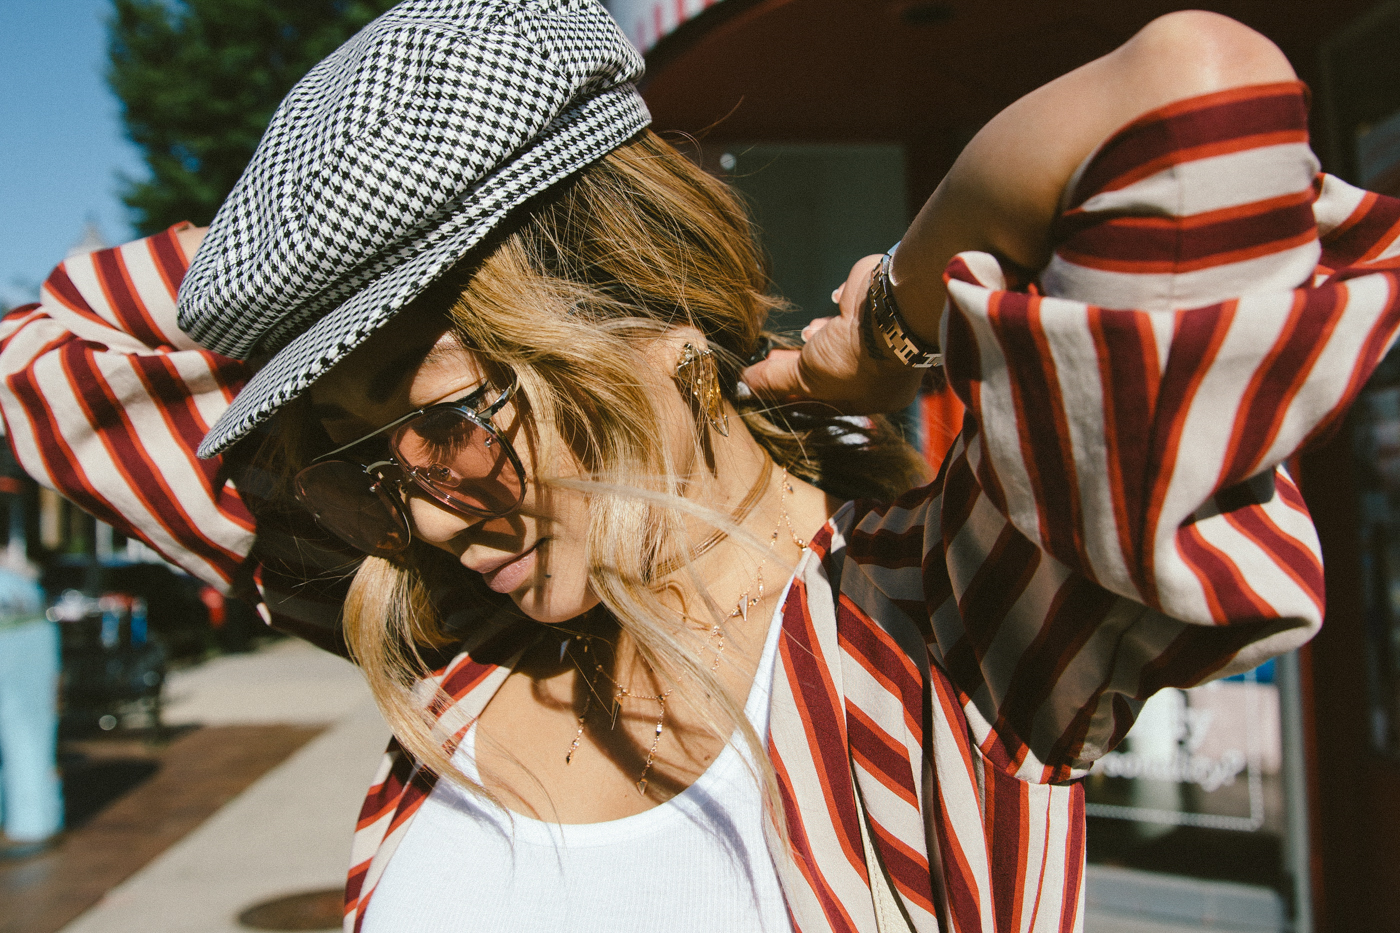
(884, 318)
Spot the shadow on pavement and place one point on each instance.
(128, 804)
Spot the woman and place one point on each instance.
(498, 332)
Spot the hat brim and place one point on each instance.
(577, 138)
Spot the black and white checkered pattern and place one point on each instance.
(386, 164)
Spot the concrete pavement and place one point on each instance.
(290, 831)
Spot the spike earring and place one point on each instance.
(698, 374)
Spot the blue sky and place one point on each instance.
(61, 143)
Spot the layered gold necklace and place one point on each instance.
(751, 596)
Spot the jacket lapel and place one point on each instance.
(457, 694)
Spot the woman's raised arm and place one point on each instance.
(1005, 190)
(1007, 187)
(105, 400)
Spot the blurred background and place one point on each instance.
(211, 771)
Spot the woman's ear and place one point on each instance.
(670, 346)
(683, 354)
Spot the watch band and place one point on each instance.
(886, 320)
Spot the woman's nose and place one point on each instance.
(436, 524)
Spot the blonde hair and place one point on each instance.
(641, 242)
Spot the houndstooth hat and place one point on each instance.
(385, 164)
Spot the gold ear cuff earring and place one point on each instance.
(698, 374)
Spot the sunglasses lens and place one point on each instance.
(460, 463)
(354, 506)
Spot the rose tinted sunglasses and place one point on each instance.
(450, 451)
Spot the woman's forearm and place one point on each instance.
(1005, 189)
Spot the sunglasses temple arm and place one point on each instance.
(506, 395)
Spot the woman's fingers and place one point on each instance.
(816, 324)
(779, 377)
(832, 365)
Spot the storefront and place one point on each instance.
(837, 118)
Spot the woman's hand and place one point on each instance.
(190, 237)
(834, 365)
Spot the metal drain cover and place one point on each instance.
(309, 910)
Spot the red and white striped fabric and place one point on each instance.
(106, 400)
(1113, 519)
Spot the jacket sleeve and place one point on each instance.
(105, 400)
(1117, 516)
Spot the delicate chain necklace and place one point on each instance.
(751, 498)
(747, 600)
(754, 594)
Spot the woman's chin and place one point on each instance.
(546, 605)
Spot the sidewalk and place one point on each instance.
(289, 832)
(286, 682)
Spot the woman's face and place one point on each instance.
(535, 554)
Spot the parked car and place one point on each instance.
(111, 666)
(121, 623)
(176, 615)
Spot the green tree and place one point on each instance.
(198, 81)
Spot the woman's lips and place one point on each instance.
(508, 576)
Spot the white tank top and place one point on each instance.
(697, 863)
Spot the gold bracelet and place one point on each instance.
(883, 314)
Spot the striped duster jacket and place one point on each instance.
(1114, 518)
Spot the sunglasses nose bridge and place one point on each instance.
(387, 471)
(358, 502)
(405, 483)
(392, 478)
